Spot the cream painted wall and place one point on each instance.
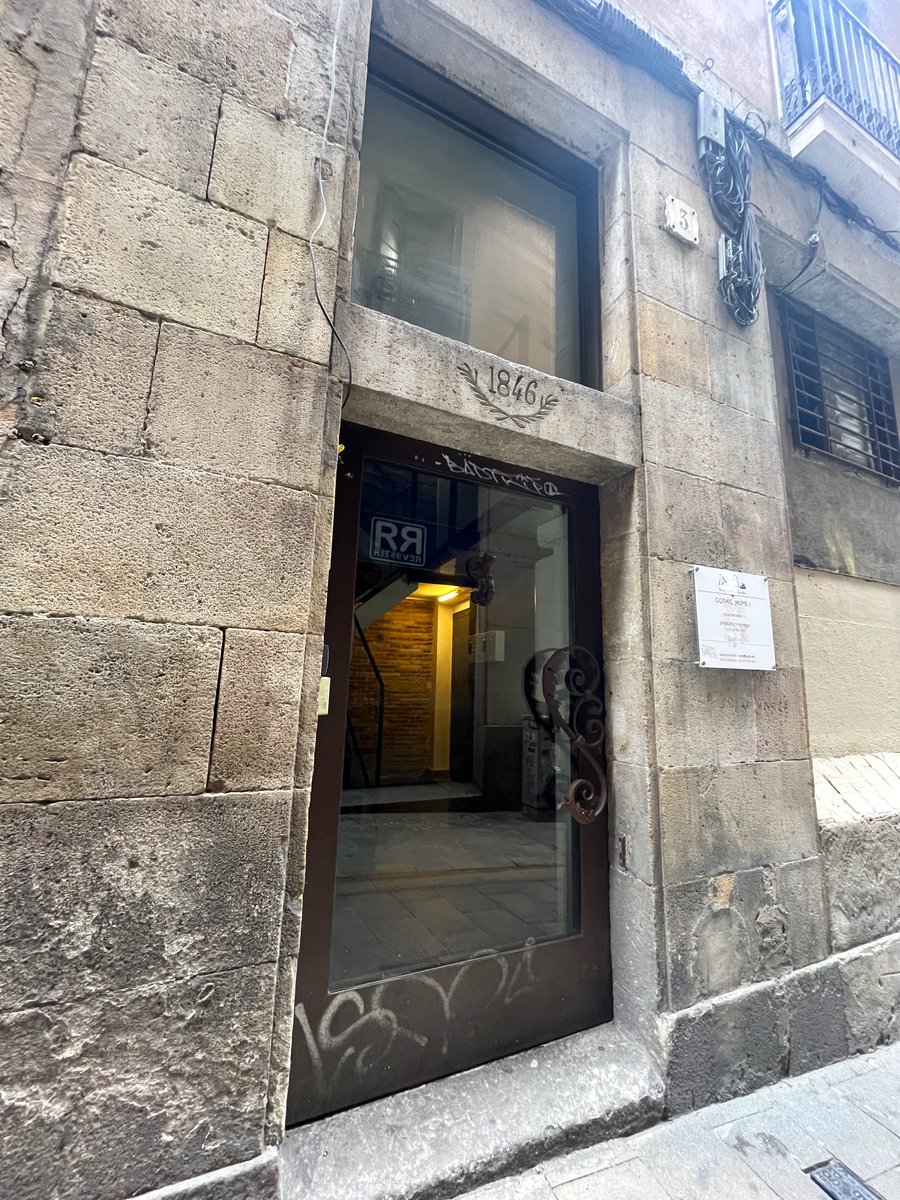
(850, 633)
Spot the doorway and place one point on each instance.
(456, 901)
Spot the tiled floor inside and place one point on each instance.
(417, 889)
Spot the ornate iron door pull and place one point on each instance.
(576, 669)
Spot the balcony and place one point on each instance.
(841, 99)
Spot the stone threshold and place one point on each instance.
(446, 1137)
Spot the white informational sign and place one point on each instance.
(734, 620)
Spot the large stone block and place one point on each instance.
(742, 375)
(688, 431)
(629, 710)
(146, 245)
(17, 82)
(634, 823)
(223, 405)
(625, 613)
(672, 345)
(684, 517)
(115, 537)
(780, 707)
(741, 927)
(266, 168)
(256, 717)
(703, 717)
(289, 317)
(817, 1024)
(99, 708)
(309, 82)
(237, 45)
(93, 375)
(756, 533)
(724, 1049)
(307, 725)
(801, 892)
(139, 113)
(110, 895)
(280, 1059)
(635, 910)
(727, 818)
(871, 981)
(862, 870)
(185, 1062)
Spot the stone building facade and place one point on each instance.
(171, 442)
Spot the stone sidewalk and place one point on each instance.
(755, 1148)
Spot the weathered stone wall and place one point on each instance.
(165, 477)
(169, 421)
(850, 631)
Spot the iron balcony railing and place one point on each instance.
(823, 50)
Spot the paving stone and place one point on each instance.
(142, 114)
(532, 1186)
(697, 1165)
(631, 1180)
(878, 1094)
(104, 708)
(238, 45)
(888, 1184)
(778, 1151)
(847, 1133)
(138, 242)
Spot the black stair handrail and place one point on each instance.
(379, 680)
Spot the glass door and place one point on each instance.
(456, 899)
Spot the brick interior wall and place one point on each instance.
(402, 644)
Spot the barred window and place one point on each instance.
(841, 400)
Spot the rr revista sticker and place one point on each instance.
(392, 540)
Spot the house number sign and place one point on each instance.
(734, 620)
(509, 395)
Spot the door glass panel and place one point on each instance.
(450, 843)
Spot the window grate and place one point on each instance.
(841, 400)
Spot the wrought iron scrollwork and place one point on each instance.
(574, 672)
(478, 569)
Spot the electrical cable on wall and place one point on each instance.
(725, 165)
(323, 201)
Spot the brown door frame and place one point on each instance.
(355, 1044)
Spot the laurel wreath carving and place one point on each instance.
(520, 420)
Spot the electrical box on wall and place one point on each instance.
(710, 120)
(682, 221)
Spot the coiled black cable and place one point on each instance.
(726, 173)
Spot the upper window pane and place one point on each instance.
(456, 236)
(840, 387)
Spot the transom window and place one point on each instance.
(841, 396)
(464, 235)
